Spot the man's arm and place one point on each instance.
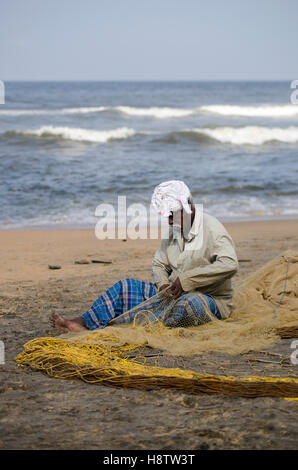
(160, 266)
(225, 265)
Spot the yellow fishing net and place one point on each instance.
(113, 366)
(266, 307)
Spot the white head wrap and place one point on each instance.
(171, 196)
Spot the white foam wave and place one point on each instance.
(274, 111)
(247, 135)
(251, 135)
(79, 134)
(84, 110)
(156, 112)
(271, 111)
(49, 112)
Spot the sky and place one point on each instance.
(148, 39)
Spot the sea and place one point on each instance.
(68, 147)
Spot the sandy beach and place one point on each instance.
(38, 412)
(119, 115)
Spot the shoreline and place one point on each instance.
(87, 226)
(27, 254)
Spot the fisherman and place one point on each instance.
(195, 262)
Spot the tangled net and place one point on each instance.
(159, 309)
(266, 309)
(106, 365)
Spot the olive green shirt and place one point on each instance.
(204, 262)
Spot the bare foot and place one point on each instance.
(57, 321)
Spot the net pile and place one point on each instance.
(266, 308)
(113, 366)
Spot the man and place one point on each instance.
(195, 262)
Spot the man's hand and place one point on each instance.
(164, 286)
(176, 289)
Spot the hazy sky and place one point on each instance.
(148, 39)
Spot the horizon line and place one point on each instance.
(150, 80)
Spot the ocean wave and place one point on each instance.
(153, 112)
(275, 111)
(77, 134)
(49, 112)
(247, 135)
(159, 112)
(156, 112)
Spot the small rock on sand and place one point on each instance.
(101, 261)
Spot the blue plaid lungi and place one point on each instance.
(128, 293)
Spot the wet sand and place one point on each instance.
(37, 412)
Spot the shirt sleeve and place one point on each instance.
(224, 266)
(160, 266)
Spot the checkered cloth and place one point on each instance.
(190, 309)
(122, 296)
